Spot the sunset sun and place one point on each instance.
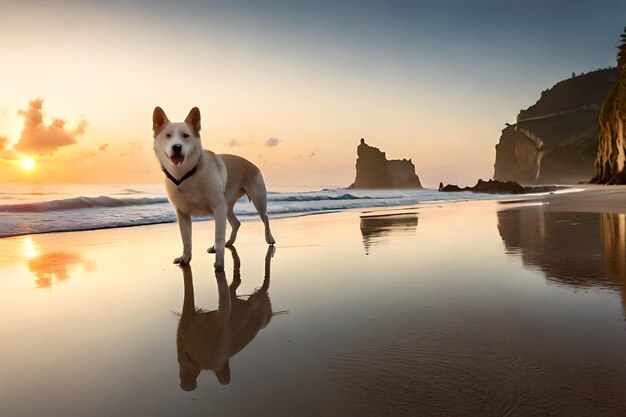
(28, 164)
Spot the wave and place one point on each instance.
(129, 191)
(107, 201)
(120, 210)
(79, 203)
(318, 197)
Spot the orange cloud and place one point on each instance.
(5, 151)
(39, 138)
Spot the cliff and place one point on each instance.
(374, 170)
(556, 139)
(612, 147)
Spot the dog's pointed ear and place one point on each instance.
(158, 119)
(193, 119)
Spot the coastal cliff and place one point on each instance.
(374, 170)
(612, 147)
(556, 139)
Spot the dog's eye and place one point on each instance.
(168, 135)
(185, 135)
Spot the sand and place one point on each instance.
(466, 309)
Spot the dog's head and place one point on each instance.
(177, 144)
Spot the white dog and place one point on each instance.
(200, 183)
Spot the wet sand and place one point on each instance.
(466, 309)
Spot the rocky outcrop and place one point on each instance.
(497, 187)
(374, 170)
(611, 154)
(556, 139)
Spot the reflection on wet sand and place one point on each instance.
(206, 340)
(55, 266)
(575, 249)
(375, 229)
(613, 235)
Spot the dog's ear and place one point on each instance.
(158, 119)
(193, 120)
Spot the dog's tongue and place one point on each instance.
(176, 160)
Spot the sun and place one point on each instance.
(28, 164)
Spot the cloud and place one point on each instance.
(232, 143)
(272, 142)
(5, 151)
(103, 147)
(39, 138)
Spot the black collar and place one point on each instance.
(183, 178)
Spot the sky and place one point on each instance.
(290, 85)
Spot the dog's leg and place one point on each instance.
(189, 305)
(258, 196)
(234, 224)
(236, 272)
(184, 224)
(219, 213)
(271, 250)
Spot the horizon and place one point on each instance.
(290, 86)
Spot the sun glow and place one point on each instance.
(28, 164)
(29, 248)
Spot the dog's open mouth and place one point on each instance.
(176, 160)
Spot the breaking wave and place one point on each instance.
(90, 207)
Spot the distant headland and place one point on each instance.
(555, 140)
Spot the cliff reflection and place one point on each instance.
(575, 249)
(206, 340)
(55, 267)
(375, 229)
(613, 235)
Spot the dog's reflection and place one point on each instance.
(206, 340)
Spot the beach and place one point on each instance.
(508, 308)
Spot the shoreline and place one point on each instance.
(589, 197)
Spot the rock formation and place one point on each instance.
(497, 187)
(374, 170)
(556, 139)
(612, 147)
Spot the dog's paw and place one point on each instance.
(211, 249)
(183, 260)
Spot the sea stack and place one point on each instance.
(612, 147)
(374, 170)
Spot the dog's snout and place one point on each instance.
(177, 148)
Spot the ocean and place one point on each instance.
(30, 209)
